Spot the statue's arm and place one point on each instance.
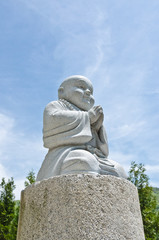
(97, 125)
(102, 141)
(63, 127)
(55, 115)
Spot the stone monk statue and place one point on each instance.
(74, 134)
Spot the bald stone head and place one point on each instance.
(77, 90)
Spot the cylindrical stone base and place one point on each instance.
(76, 207)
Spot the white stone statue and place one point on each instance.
(73, 132)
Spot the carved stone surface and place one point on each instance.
(79, 207)
(73, 132)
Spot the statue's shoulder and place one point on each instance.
(53, 104)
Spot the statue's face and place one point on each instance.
(80, 93)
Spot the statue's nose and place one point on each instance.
(87, 91)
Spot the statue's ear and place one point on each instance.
(61, 92)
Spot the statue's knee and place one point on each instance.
(79, 161)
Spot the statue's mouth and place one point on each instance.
(87, 98)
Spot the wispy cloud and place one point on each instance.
(154, 183)
(122, 158)
(152, 168)
(154, 92)
(102, 45)
(3, 172)
(6, 125)
(152, 171)
(19, 152)
(127, 130)
(19, 182)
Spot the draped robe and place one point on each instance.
(74, 146)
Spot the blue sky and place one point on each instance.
(114, 43)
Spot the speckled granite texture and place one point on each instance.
(76, 207)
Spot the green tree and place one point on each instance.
(6, 207)
(14, 223)
(147, 200)
(157, 226)
(9, 208)
(30, 178)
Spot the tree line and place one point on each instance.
(148, 201)
(9, 207)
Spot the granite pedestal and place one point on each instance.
(76, 207)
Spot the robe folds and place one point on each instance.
(74, 146)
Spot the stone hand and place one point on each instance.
(97, 125)
(95, 113)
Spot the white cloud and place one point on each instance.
(19, 152)
(127, 130)
(6, 124)
(19, 187)
(122, 158)
(154, 92)
(154, 183)
(152, 168)
(3, 172)
(102, 45)
(15, 143)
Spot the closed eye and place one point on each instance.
(82, 87)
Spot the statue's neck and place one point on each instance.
(70, 105)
